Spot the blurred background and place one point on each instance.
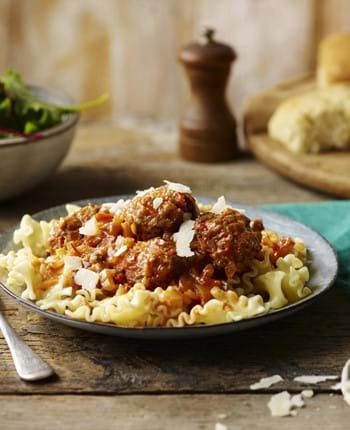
(129, 47)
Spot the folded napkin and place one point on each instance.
(332, 220)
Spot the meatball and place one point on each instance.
(66, 229)
(154, 263)
(158, 212)
(229, 240)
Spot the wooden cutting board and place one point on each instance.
(328, 172)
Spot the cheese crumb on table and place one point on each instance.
(345, 382)
(219, 426)
(307, 394)
(266, 382)
(314, 379)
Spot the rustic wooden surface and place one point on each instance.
(328, 172)
(105, 382)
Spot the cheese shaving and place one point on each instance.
(119, 240)
(297, 401)
(280, 404)
(157, 202)
(90, 228)
(120, 251)
(183, 239)
(71, 208)
(87, 279)
(180, 188)
(314, 379)
(219, 426)
(345, 382)
(336, 386)
(72, 262)
(307, 394)
(141, 193)
(117, 207)
(266, 382)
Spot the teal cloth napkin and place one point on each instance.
(331, 219)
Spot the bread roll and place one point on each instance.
(316, 121)
(334, 60)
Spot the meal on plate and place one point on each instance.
(318, 120)
(24, 114)
(160, 259)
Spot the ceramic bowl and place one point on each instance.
(25, 163)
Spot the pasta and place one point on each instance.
(50, 280)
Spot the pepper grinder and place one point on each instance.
(208, 128)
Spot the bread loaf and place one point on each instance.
(334, 60)
(316, 121)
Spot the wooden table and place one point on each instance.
(104, 382)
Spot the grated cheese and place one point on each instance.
(157, 202)
(180, 188)
(314, 379)
(90, 228)
(183, 239)
(266, 382)
(87, 279)
(345, 382)
(72, 262)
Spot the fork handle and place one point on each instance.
(29, 365)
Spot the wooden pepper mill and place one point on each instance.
(208, 129)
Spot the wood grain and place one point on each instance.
(166, 413)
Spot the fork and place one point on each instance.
(29, 366)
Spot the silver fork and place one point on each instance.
(29, 365)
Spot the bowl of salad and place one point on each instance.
(37, 127)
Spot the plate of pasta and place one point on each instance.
(163, 264)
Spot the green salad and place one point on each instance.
(24, 114)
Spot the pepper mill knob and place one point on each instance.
(208, 128)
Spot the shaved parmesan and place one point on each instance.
(307, 394)
(280, 404)
(87, 279)
(141, 193)
(180, 188)
(297, 401)
(345, 382)
(117, 207)
(314, 379)
(219, 426)
(72, 262)
(120, 251)
(220, 205)
(157, 202)
(90, 228)
(266, 382)
(336, 387)
(119, 240)
(71, 208)
(183, 239)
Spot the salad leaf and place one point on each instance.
(22, 112)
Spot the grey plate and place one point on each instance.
(323, 273)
